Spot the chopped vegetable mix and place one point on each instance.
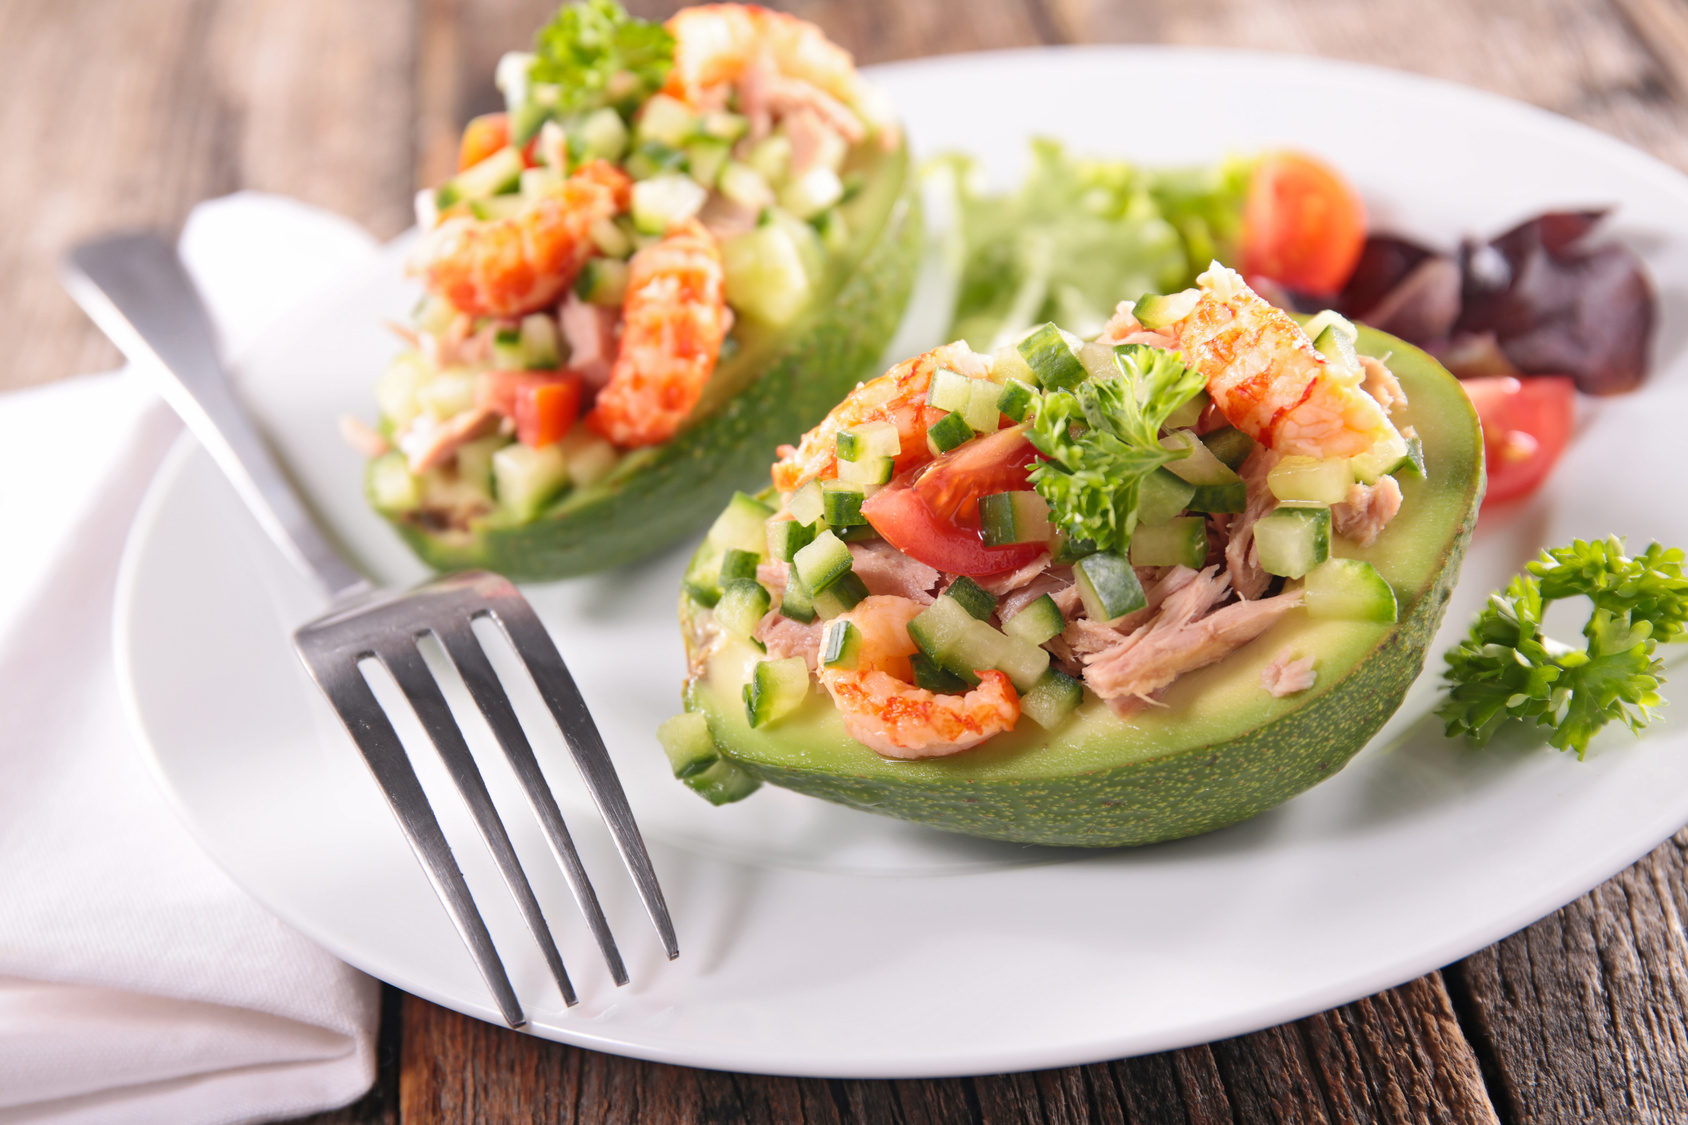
(1509, 669)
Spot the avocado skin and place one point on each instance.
(667, 492)
(1191, 791)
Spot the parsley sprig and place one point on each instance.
(1508, 669)
(1101, 439)
(596, 54)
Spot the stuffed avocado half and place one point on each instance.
(680, 245)
(1047, 631)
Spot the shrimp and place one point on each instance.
(673, 321)
(1267, 378)
(779, 63)
(883, 711)
(515, 265)
(898, 397)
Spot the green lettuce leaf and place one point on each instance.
(597, 55)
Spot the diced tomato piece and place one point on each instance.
(1303, 225)
(543, 404)
(1526, 425)
(899, 514)
(953, 484)
(482, 137)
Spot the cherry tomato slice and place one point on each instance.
(1303, 225)
(953, 484)
(900, 515)
(1526, 424)
(544, 405)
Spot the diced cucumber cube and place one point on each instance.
(776, 689)
(744, 602)
(392, 487)
(934, 677)
(448, 394)
(496, 207)
(940, 631)
(812, 192)
(507, 349)
(745, 186)
(1036, 623)
(666, 119)
(723, 783)
(1188, 414)
(1412, 465)
(741, 524)
(1014, 517)
(1217, 498)
(602, 281)
(1178, 542)
(870, 439)
(603, 136)
(1055, 696)
(1385, 454)
(1068, 550)
(807, 504)
(1016, 399)
(686, 740)
(1098, 359)
(1218, 488)
(821, 563)
(981, 412)
(1337, 346)
(724, 126)
(1021, 661)
(953, 638)
(787, 537)
(1155, 312)
(1161, 496)
(867, 472)
(767, 278)
(840, 597)
(1052, 356)
(947, 433)
(527, 478)
(1349, 590)
(1330, 318)
(736, 564)
(1293, 539)
(974, 598)
(590, 457)
(1311, 480)
(610, 239)
(841, 645)
(1108, 586)
(704, 161)
(841, 503)
(771, 156)
(541, 345)
(1007, 363)
(650, 159)
(474, 462)
(665, 201)
(949, 390)
(1230, 445)
(539, 181)
(860, 533)
(797, 604)
(499, 173)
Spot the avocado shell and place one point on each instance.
(1219, 751)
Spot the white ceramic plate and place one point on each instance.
(818, 940)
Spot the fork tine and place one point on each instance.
(551, 676)
(358, 708)
(404, 661)
(472, 664)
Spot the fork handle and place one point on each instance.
(136, 289)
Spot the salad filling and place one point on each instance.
(972, 539)
(655, 199)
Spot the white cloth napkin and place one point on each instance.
(137, 983)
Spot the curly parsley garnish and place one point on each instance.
(1103, 437)
(1507, 669)
(596, 54)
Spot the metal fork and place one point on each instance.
(135, 288)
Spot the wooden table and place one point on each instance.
(129, 113)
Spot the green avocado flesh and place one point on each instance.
(1222, 749)
(777, 384)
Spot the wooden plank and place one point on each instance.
(1585, 1013)
(145, 109)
